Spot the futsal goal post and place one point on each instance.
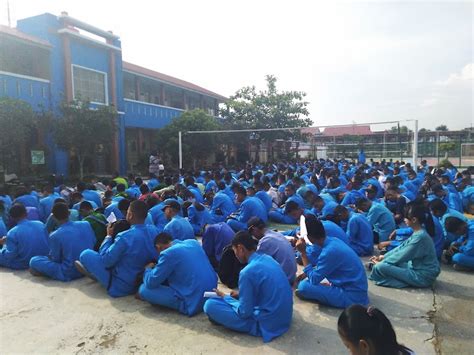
(384, 141)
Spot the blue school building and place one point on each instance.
(47, 59)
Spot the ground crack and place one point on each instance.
(432, 318)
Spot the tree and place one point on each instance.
(195, 147)
(447, 147)
(403, 130)
(81, 129)
(270, 108)
(442, 128)
(17, 122)
(423, 130)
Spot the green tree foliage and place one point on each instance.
(270, 108)
(442, 128)
(82, 129)
(17, 122)
(196, 147)
(403, 130)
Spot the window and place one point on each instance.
(89, 85)
(18, 88)
(31, 90)
(43, 92)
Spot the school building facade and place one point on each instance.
(49, 59)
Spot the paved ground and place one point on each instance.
(43, 316)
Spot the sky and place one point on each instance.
(357, 61)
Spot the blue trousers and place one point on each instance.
(221, 312)
(93, 263)
(279, 217)
(12, 263)
(163, 296)
(384, 274)
(236, 225)
(331, 295)
(464, 260)
(51, 269)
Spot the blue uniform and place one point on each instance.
(45, 206)
(450, 237)
(381, 220)
(414, 263)
(180, 278)
(222, 207)
(76, 205)
(465, 257)
(328, 209)
(25, 240)
(361, 237)
(215, 238)
(265, 198)
(179, 228)
(27, 201)
(279, 214)
(341, 266)
(92, 195)
(199, 219)
(265, 304)
(280, 249)
(250, 207)
(3, 228)
(66, 244)
(119, 263)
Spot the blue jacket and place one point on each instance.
(265, 296)
(251, 207)
(222, 203)
(265, 198)
(361, 237)
(341, 266)
(127, 256)
(27, 201)
(179, 228)
(67, 243)
(25, 240)
(45, 206)
(215, 238)
(185, 269)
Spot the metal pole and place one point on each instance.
(180, 151)
(415, 145)
(437, 147)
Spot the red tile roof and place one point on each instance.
(347, 130)
(23, 36)
(170, 80)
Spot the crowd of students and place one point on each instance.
(137, 237)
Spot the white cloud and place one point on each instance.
(465, 77)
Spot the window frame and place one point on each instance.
(106, 84)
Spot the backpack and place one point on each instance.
(229, 268)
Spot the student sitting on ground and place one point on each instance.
(368, 331)
(358, 229)
(414, 262)
(279, 215)
(264, 304)
(97, 221)
(214, 239)
(180, 277)
(274, 244)
(66, 244)
(22, 242)
(461, 251)
(177, 226)
(120, 261)
(337, 263)
(249, 207)
(379, 217)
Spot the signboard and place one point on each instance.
(37, 157)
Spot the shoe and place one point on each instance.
(83, 270)
(458, 267)
(445, 259)
(34, 272)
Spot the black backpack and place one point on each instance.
(229, 268)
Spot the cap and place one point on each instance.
(171, 203)
(256, 222)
